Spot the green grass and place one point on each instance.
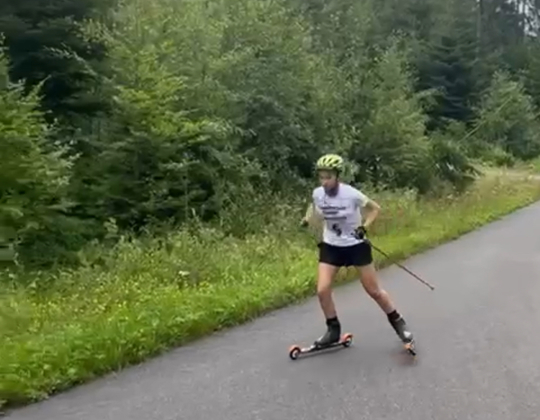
(535, 165)
(57, 331)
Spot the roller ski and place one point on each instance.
(400, 327)
(295, 351)
(332, 338)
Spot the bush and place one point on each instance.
(507, 119)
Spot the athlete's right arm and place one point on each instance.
(309, 213)
(311, 217)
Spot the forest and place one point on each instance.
(135, 116)
(158, 156)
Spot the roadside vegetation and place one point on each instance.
(157, 157)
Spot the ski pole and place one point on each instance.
(404, 268)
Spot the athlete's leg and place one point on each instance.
(328, 267)
(370, 281)
(371, 284)
(324, 289)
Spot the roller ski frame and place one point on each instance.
(295, 351)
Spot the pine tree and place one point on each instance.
(448, 65)
(42, 38)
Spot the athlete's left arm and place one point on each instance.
(372, 210)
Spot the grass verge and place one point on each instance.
(66, 328)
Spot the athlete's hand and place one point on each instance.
(360, 232)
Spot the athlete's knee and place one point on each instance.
(371, 284)
(324, 290)
(324, 281)
(376, 293)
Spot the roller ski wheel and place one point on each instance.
(410, 348)
(296, 351)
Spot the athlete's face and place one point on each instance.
(328, 179)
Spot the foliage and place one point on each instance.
(447, 62)
(150, 295)
(159, 154)
(391, 147)
(37, 33)
(508, 119)
(174, 113)
(34, 173)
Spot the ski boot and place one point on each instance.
(400, 327)
(332, 335)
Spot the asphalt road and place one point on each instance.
(478, 342)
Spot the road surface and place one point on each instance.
(478, 342)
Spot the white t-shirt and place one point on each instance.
(341, 214)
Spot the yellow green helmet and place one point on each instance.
(330, 162)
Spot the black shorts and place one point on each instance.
(346, 256)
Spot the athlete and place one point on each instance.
(344, 244)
